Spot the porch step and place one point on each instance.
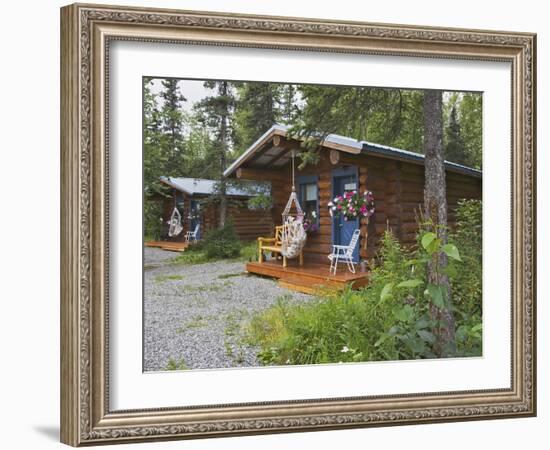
(172, 246)
(309, 278)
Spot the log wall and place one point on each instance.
(398, 189)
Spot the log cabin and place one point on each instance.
(190, 196)
(394, 176)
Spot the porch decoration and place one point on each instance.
(344, 253)
(310, 224)
(294, 236)
(176, 227)
(352, 205)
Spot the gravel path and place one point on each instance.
(194, 314)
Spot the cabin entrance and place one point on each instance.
(195, 218)
(344, 180)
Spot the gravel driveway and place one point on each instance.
(194, 315)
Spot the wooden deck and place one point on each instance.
(309, 278)
(172, 246)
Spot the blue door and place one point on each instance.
(195, 217)
(344, 180)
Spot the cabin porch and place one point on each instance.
(310, 277)
(173, 246)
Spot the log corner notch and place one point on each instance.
(334, 157)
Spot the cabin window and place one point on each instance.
(308, 192)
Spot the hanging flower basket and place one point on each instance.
(310, 223)
(352, 205)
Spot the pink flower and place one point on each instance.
(339, 206)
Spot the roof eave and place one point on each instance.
(419, 159)
(274, 130)
(175, 186)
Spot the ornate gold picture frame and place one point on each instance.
(87, 31)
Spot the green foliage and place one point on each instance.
(249, 251)
(462, 117)
(391, 117)
(260, 201)
(467, 282)
(255, 111)
(176, 365)
(217, 113)
(455, 149)
(192, 255)
(152, 220)
(197, 253)
(163, 278)
(222, 242)
(390, 318)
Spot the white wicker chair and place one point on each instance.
(192, 235)
(344, 253)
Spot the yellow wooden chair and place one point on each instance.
(274, 245)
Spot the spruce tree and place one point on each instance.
(255, 112)
(455, 150)
(216, 113)
(172, 127)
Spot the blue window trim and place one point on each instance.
(309, 179)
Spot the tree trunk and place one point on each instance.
(223, 139)
(435, 204)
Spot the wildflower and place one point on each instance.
(345, 349)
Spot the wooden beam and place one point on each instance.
(340, 157)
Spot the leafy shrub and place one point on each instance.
(197, 253)
(152, 220)
(467, 282)
(249, 251)
(222, 242)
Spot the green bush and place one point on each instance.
(467, 282)
(198, 253)
(152, 220)
(249, 251)
(222, 242)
